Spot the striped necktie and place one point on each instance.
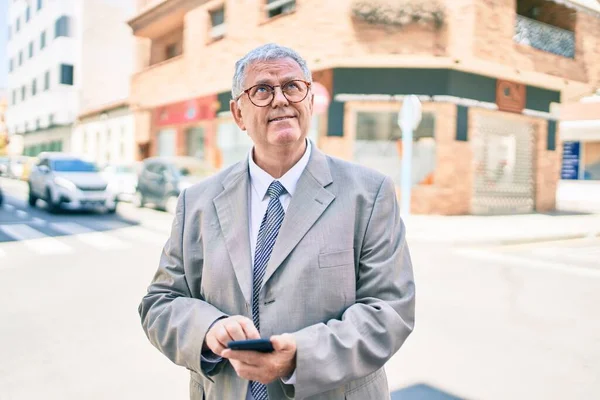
(267, 234)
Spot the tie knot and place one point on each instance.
(275, 190)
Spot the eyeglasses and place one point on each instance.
(262, 95)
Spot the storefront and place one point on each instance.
(484, 146)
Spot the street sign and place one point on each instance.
(322, 98)
(409, 119)
(570, 161)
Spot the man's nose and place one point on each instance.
(279, 100)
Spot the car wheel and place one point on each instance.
(32, 199)
(171, 205)
(52, 206)
(138, 200)
(112, 210)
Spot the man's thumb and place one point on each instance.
(282, 342)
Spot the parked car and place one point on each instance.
(1, 197)
(4, 163)
(15, 167)
(163, 178)
(122, 180)
(66, 181)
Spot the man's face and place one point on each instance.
(282, 123)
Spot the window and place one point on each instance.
(30, 49)
(217, 22)
(37, 124)
(42, 40)
(14, 96)
(20, 58)
(22, 93)
(18, 25)
(66, 74)
(39, 5)
(378, 145)
(171, 51)
(280, 7)
(51, 119)
(10, 65)
(591, 161)
(46, 80)
(27, 14)
(62, 26)
(34, 87)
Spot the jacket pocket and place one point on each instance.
(336, 258)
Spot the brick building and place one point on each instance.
(487, 72)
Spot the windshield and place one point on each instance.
(73, 165)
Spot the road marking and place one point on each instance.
(21, 214)
(138, 233)
(38, 221)
(36, 240)
(88, 236)
(526, 262)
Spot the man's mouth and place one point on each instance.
(281, 118)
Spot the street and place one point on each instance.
(516, 321)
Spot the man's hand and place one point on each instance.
(265, 367)
(227, 329)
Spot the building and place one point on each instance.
(104, 129)
(70, 64)
(43, 52)
(579, 186)
(4, 141)
(487, 73)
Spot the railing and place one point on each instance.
(544, 37)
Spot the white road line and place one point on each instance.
(138, 233)
(38, 221)
(36, 240)
(88, 236)
(21, 214)
(526, 262)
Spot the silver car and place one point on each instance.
(66, 181)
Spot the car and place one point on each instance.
(1, 197)
(4, 164)
(122, 180)
(66, 181)
(161, 179)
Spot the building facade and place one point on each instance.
(104, 131)
(579, 185)
(487, 73)
(43, 52)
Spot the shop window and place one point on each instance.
(195, 142)
(378, 145)
(591, 161)
(233, 143)
(279, 7)
(217, 23)
(166, 143)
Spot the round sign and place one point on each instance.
(322, 98)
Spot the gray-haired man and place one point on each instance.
(291, 245)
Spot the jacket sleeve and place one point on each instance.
(373, 329)
(174, 321)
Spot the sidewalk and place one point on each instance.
(498, 230)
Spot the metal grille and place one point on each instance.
(503, 152)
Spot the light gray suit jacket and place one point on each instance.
(340, 279)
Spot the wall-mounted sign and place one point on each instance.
(183, 112)
(510, 96)
(570, 160)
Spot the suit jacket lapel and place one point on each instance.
(232, 211)
(308, 203)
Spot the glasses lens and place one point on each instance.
(295, 91)
(261, 94)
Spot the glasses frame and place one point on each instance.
(247, 91)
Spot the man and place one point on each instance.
(291, 245)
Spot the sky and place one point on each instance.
(3, 38)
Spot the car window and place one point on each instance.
(153, 168)
(73, 165)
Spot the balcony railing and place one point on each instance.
(544, 37)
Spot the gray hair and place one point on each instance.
(267, 52)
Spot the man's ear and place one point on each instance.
(237, 114)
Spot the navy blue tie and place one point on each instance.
(267, 234)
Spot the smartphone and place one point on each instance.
(262, 345)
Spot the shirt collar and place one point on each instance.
(261, 180)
